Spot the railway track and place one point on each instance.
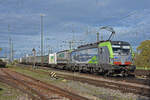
(22, 87)
(131, 79)
(41, 90)
(143, 73)
(123, 86)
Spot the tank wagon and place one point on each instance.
(104, 57)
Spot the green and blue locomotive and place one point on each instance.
(105, 57)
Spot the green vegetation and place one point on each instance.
(142, 68)
(9, 93)
(142, 56)
(78, 87)
(39, 76)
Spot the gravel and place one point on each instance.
(97, 93)
(92, 92)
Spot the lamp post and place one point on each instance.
(42, 15)
(34, 54)
(47, 46)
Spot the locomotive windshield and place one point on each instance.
(117, 49)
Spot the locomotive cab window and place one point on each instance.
(123, 50)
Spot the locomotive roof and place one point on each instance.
(63, 51)
(96, 43)
(91, 44)
(119, 42)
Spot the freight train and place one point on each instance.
(103, 57)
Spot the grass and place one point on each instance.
(46, 78)
(39, 76)
(142, 68)
(8, 93)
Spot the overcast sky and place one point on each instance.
(129, 18)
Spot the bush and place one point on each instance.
(142, 56)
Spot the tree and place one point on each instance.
(142, 57)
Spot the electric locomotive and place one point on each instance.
(105, 57)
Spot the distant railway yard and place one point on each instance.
(43, 83)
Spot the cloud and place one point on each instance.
(129, 18)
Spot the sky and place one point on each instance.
(66, 20)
